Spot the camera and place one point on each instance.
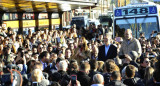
(10, 76)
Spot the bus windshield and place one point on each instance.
(77, 22)
(137, 25)
(106, 20)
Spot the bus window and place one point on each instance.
(123, 24)
(147, 25)
(137, 25)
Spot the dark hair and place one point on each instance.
(142, 59)
(130, 71)
(141, 33)
(115, 75)
(84, 66)
(29, 64)
(156, 75)
(34, 46)
(55, 84)
(68, 49)
(72, 61)
(20, 49)
(43, 54)
(74, 66)
(55, 77)
(50, 45)
(93, 63)
(58, 60)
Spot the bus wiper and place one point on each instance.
(141, 23)
(128, 23)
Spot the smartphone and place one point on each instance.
(73, 80)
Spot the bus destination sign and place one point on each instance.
(135, 11)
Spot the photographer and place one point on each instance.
(10, 75)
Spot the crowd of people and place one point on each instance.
(92, 56)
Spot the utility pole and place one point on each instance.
(112, 2)
(90, 12)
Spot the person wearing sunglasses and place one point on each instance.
(144, 63)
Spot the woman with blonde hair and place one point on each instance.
(82, 52)
(148, 74)
(100, 66)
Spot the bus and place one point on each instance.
(105, 20)
(80, 21)
(140, 17)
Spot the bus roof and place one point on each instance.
(80, 17)
(137, 5)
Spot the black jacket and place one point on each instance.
(106, 78)
(133, 82)
(62, 77)
(115, 83)
(112, 53)
(83, 78)
(141, 72)
(92, 73)
(152, 83)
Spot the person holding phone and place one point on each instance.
(82, 75)
(77, 83)
(73, 79)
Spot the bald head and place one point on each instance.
(98, 79)
(128, 34)
(63, 65)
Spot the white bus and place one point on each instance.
(137, 17)
(80, 21)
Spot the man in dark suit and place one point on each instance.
(108, 50)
